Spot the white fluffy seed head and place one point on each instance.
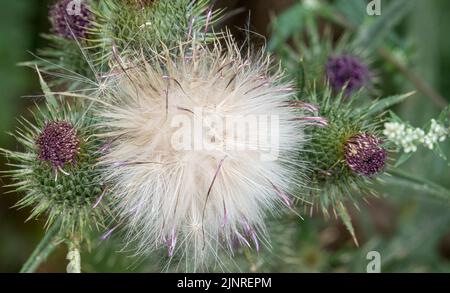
(187, 164)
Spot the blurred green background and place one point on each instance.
(410, 229)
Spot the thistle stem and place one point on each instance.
(73, 256)
(47, 245)
(404, 179)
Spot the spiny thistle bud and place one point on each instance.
(71, 18)
(347, 71)
(133, 24)
(109, 26)
(318, 60)
(328, 144)
(56, 170)
(365, 155)
(58, 143)
(346, 155)
(183, 176)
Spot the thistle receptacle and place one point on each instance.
(365, 155)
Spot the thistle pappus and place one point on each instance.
(197, 192)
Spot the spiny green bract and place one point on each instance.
(66, 194)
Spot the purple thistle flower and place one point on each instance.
(70, 18)
(364, 155)
(58, 144)
(347, 70)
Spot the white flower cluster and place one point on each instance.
(409, 138)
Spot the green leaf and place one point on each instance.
(370, 36)
(288, 23)
(444, 116)
(425, 186)
(439, 152)
(353, 10)
(51, 100)
(383, 104)
(345, 217)
(395, 117)
(402, 159)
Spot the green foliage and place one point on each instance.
(418, 180)
(372, 35)
(304, 51)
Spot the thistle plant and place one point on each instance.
(86, 34)
(191, 146)
(335, 73)
(346, 156)
(347, 71)
(317, 60)
(56, 171)
(153, 25)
